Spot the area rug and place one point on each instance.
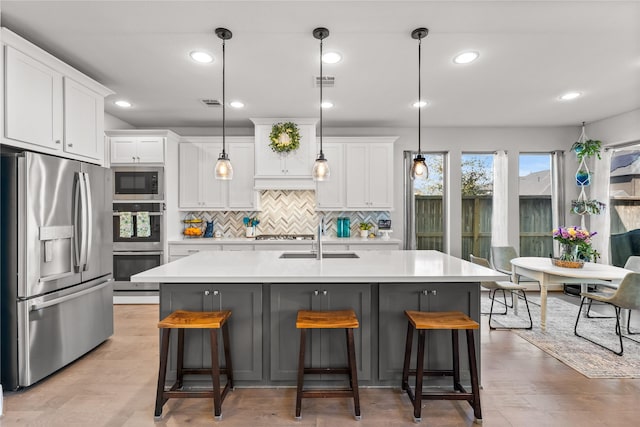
(560, 341)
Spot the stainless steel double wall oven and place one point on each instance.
(137, 191)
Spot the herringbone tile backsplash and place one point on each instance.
(287, 212)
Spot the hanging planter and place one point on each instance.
(583, 178)
(587, 148)
(587, 207)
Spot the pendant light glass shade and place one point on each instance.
(419, 169)
(321, 171)
(223, 170)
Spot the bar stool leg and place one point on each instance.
(475, 389)
(180, 360)
(215, 374)
(456, 360)
(303, 338)
(407, 357)
(227, 354)
(353, 372)
(417, 403)
(162, 372)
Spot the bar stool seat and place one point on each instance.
(341, 319)
(454, 321)
(181, 320)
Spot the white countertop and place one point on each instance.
(379, 266)
(252, 241)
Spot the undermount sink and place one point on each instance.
(312, 255)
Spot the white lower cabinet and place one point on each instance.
(198, 187)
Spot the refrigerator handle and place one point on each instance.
(76, 220)
(36, 306)
(83, 221)
(89, 217)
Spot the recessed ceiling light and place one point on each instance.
(200, 56)
(569, 96)
(236, 104)
(466, 57)
(122, 103)
(331, 57)
(326, 104)
(420, 104)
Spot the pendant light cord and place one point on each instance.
(223, 99)
(321, 84)
(419, 95)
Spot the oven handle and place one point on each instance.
(138, 253)
(136, 213)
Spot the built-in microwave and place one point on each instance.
(138, 183)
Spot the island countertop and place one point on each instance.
(379, 266)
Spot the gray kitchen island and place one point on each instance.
(265, 291)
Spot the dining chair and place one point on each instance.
(500, 258)
(503, 286)
(633, 264)
(627, 296)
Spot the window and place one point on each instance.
(429, 205)
(477, 202)
(535, 205)
(624, 203)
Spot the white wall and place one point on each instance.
(617, 129)
(112, 123)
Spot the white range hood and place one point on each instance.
(285, 171)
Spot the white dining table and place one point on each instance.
(542, 270)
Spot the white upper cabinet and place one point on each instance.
(361, 174)
(33, 98)
(330, 194)
(284, 171)
(137, 149)
(369, 176)
(83, 120)
(49, 106)
(198, 187)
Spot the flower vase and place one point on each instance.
(569, 252)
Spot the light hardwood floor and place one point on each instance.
(115, 384)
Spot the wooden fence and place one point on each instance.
(535, 225)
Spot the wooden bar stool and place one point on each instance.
(328, 320)
(181, 320)
(453, 320)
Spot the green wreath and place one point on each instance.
(284, 137)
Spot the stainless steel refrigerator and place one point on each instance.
(56, 292)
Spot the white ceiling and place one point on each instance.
(531, 52)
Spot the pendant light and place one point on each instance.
(321, 170)
(224, 170)
(419, 169)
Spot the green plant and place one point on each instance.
(365, 226)
(588, 148)
(589, 207)
(284, 137)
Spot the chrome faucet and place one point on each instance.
(320, 233)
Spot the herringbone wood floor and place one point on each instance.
(115, 386)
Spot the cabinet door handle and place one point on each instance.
(216, 293)
(207, 292)
(133, 159)
(57, 141)
(429, 292)
(316, 292)
(70, 145)
(324, 292)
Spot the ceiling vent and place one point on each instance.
(327, 81)
(211, 102)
